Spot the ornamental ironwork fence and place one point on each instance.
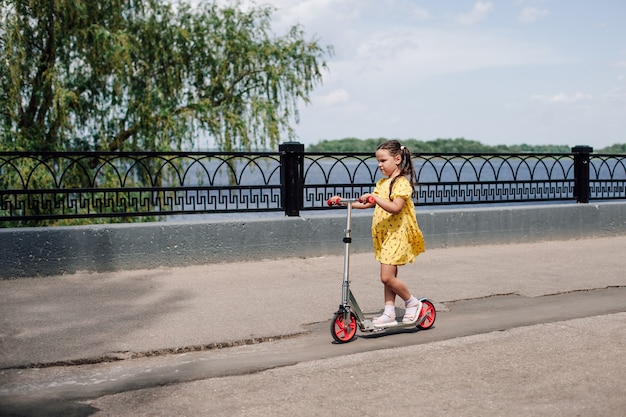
(121, 185)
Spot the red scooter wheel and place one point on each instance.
(428, 310)
(343, 331)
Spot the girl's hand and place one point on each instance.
(367, 200)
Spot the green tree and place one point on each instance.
(616, 148)
(147, 75)
(458, 145)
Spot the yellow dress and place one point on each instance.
(397, 237)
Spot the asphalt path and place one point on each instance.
(525, 329)
(82, 390)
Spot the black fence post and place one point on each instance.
(291, 173)
(581, 173)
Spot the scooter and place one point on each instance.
(349, 316)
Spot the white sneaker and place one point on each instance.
(412, 314)
(384, 320)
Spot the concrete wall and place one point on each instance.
(64, 250)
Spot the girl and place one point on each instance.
(396, 236)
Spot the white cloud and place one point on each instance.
(415, 54)
(312, 12)
(303, 11)
(562, 98)
(479, 12)
(335, 97)
(421, 14)
(521, 2)
(532, 14)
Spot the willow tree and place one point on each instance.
(147, 75)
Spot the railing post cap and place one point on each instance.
(291, 147)
(582, 149)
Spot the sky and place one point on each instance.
(500, 72)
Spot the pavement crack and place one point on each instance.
(461, 300)
(508, 294)
(128, 355)
(583, 290)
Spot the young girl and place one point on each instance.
(396, 236)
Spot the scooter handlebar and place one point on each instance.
(338, 200)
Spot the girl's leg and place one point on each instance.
(393, 285)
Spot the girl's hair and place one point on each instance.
(406, 164)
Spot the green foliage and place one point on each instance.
(345, 145)
(147, 75)
(458, 145)
(144, 75)
(617, 148)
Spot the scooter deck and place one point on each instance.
(368, 326)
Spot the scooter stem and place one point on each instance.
(346, 258)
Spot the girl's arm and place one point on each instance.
(360, 205)
(356, 204)
(393, 207)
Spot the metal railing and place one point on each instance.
(43, 186)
